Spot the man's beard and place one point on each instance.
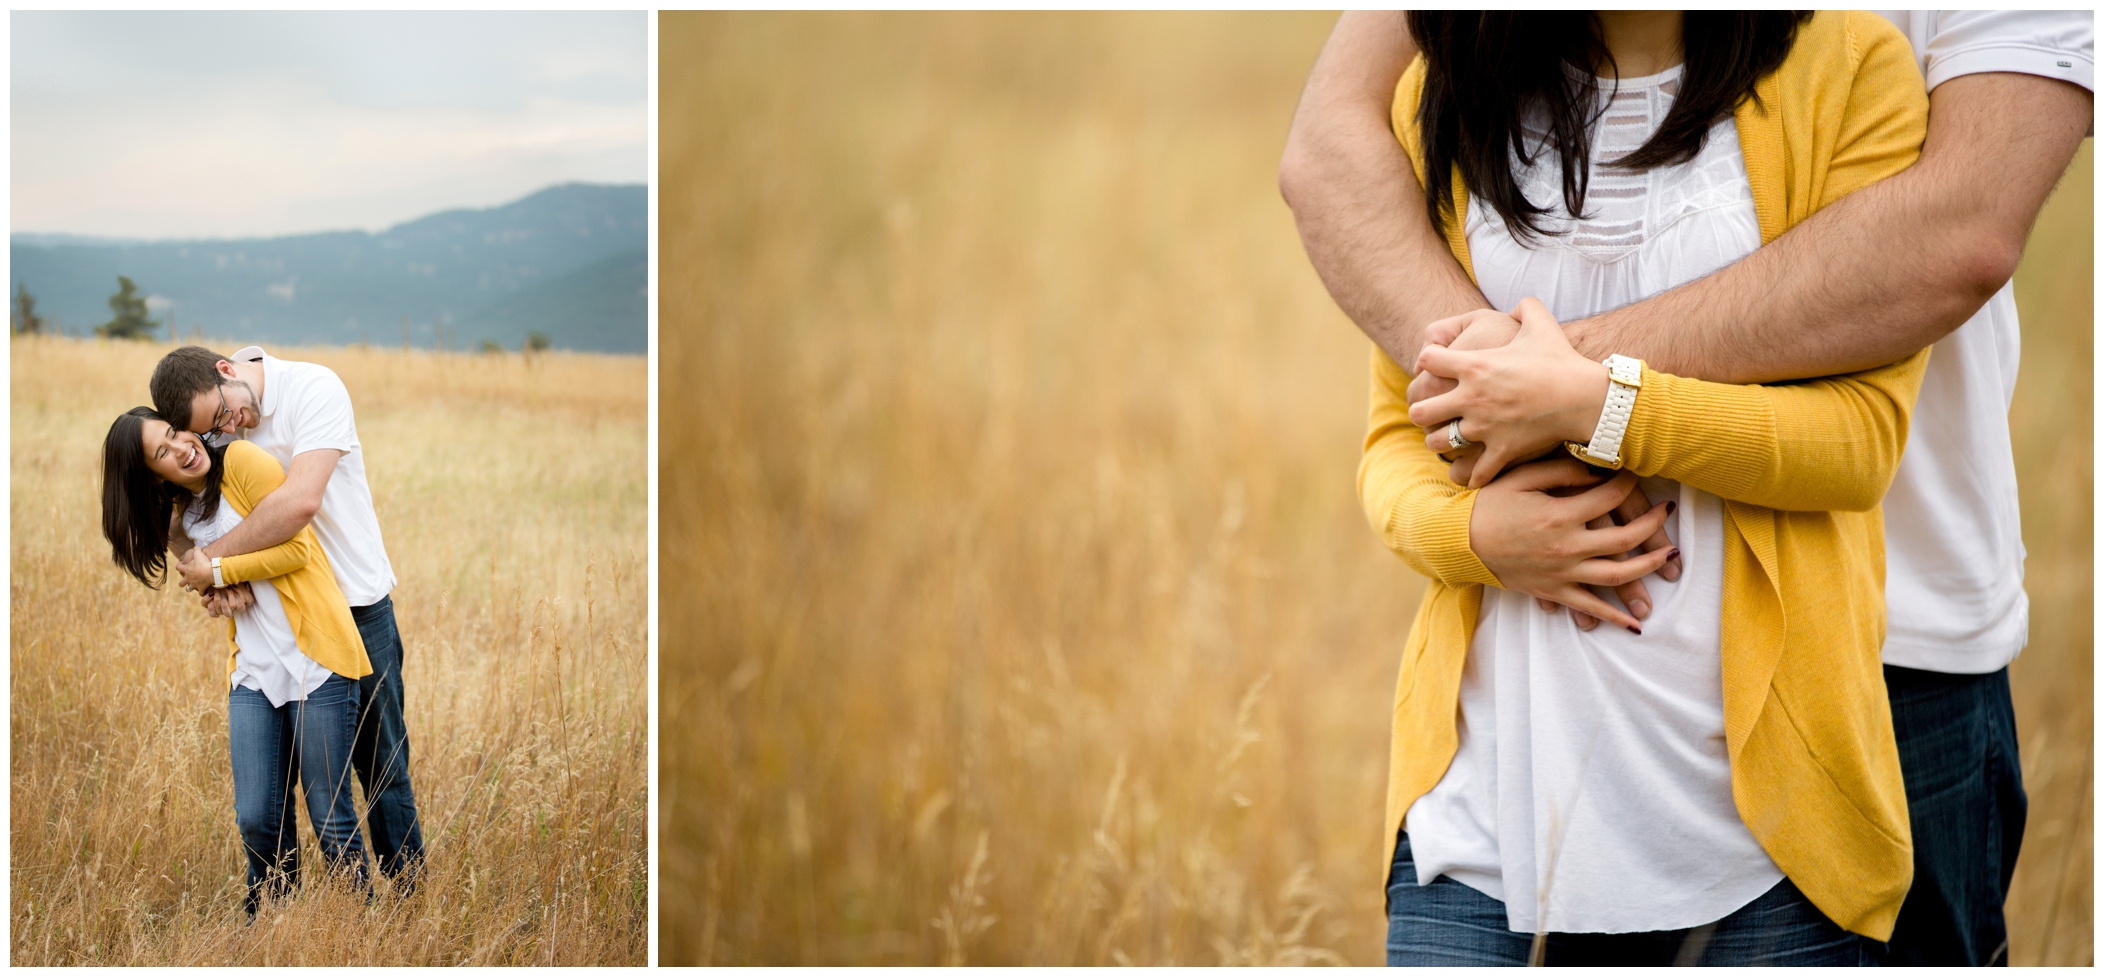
(255, 404)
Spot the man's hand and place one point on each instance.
(1534, 392)
(1481, 329)
(1541, 543)
(196, 570)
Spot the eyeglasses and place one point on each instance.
(211, 436)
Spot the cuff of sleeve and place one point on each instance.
(1438, 534)
(237, 569)
(1664, 423)
(2019, 59)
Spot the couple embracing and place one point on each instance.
(1728, 418)
(248, 470)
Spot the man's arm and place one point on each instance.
(1886, 270)
(1360, 209)
(178, 538)
(285, 511)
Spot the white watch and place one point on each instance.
(1625, 375)
(217, 580)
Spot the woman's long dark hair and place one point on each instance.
(1485, 70)
(137, 504)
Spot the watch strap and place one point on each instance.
(1625, 376)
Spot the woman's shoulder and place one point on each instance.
(250, 471)
(245, 454)
(1402, 112)
(1841, 45)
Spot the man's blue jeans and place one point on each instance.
(381, 754)
(276, 747)
(1450, 924)
(1965, 801)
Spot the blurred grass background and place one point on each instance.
(1016, 605)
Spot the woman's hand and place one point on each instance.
(1634, 594)
(1516, 400)
(1541, 543)
(196, 570)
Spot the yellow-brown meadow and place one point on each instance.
(512, 493)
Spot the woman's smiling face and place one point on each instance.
(176, 456)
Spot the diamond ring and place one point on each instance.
(1454, 438)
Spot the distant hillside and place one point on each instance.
(580, 310)
(567, 261)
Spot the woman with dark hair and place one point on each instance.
(1715, 780)
(294, 654)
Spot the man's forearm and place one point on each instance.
(277, 518)
(1887, 270)
(178, 540)
(1359, 207)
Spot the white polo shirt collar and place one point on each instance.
(267, 403)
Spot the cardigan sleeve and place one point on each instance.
(1412, 505)
(1831, 444)
(1826, 444)
(250, 475)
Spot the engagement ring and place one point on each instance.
(1454, 438)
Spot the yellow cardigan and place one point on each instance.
(321, 618)
(1815, 773)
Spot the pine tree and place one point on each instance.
(131, 321)
(26, 319)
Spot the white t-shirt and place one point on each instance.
(305, 407)
(267, 657)
(1591, 789)
(1954, 547)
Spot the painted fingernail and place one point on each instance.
(1675, 555)
(1671, 506)
(1637, 631)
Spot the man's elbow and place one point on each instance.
(1295, 168)
(303, 510)
(1989, 261)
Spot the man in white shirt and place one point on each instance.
(300, 413)
(1924, 257)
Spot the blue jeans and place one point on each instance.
(1450, 924)
(381, 754)
(1965, 801)
(276, 747)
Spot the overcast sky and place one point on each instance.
(159, 125)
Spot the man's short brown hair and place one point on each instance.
(179, 378)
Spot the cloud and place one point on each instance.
(231, 124)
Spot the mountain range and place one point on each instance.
(570, 262)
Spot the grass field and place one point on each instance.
(513, 499)
(1016, 603)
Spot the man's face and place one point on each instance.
(229, 408)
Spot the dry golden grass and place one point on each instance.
(1016, 603)
(513, 497)
(2050, 907)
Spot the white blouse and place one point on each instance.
(1591, 791)
(267, 658)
